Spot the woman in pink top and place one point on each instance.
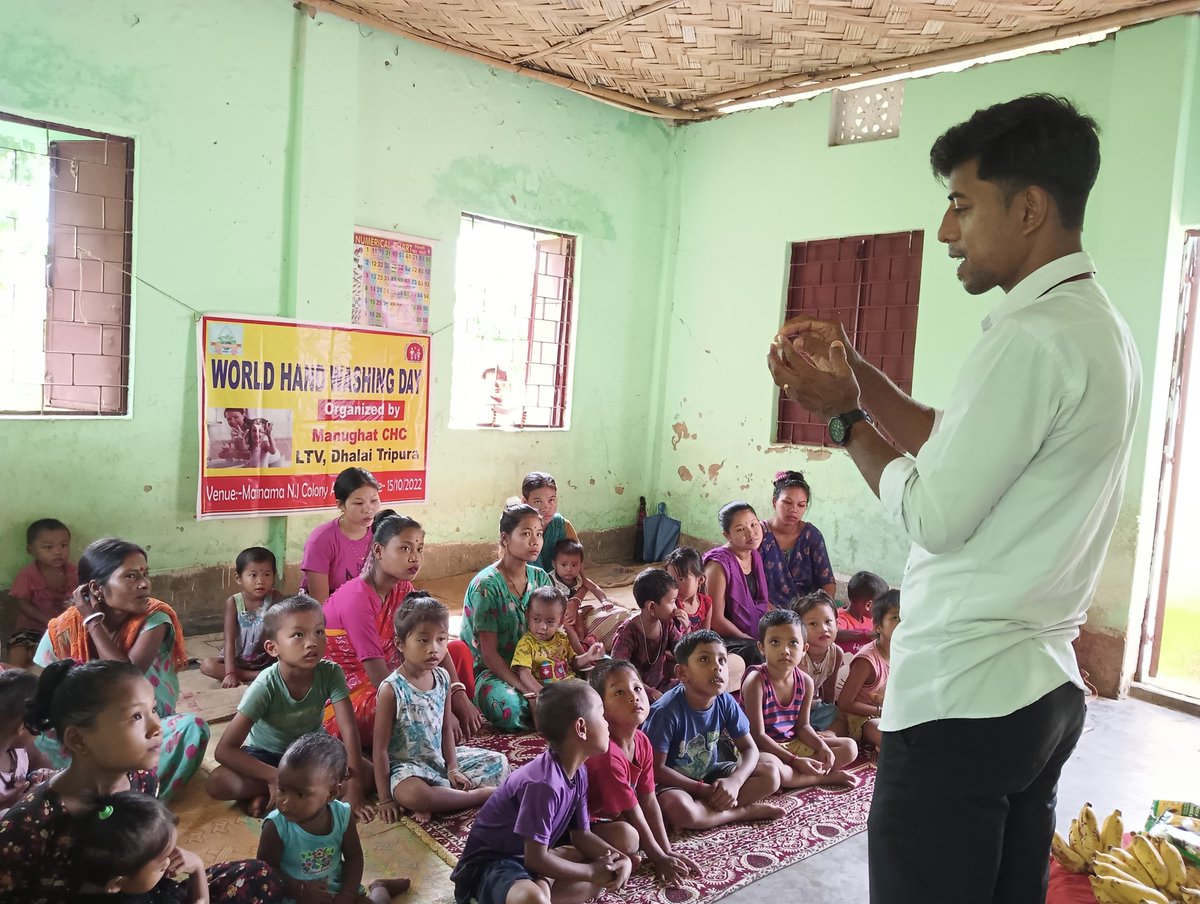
(359, 625)
(861, 698)
(336, 551)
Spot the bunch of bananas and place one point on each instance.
(1150, 871)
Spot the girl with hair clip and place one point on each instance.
(359, 619)
(104, 713)
(126, 850)
(114, 617)
(494, 617)
(793, 551)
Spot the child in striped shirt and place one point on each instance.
(777, 696)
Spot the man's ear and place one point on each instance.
(1036, 207)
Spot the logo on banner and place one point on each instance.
(415, 352)
(224, 339)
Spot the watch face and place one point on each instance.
(837, 430)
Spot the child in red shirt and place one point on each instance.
(855, 628)
(621, 800)
(42, 589)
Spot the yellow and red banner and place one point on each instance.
(285, 406)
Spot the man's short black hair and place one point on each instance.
(1038, 140)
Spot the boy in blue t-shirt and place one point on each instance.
(516, 850)
(698, 787)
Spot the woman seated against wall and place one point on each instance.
(737, 582)
(494, 617)
(360, 626)
(336, 551)
(793, 551)
(113, 616)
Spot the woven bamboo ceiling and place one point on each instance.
(685, 59)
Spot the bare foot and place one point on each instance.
(840, 777)
(763, 811)
(257, 807)
(382, 890)
(421, 816)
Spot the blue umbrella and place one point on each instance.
(662, 535)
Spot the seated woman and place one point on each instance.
(737, 582)
(494, 617)
(359, 624)
(114, 617)
(336, 551)
(793, 551)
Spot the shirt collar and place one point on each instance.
(1038, 283)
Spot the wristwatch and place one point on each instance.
(840, 424)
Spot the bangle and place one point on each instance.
(94, 619)
(457, 686)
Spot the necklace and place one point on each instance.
(508, 579)
(646, 646)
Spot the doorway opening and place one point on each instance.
(1170, 652)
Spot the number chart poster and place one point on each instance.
(286, 406)
(392, 273)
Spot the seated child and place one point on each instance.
(544, 653)
(512, 855)
(311, 837)
(777, 695)
(686, 567)
(701, 785)
(423, 770)
(861, 698)
(621, 800)
(539, 490)
(285, 701)
(22, 764)
(567, 576)
(244, 656)
(647, 639)
(124, 849)
(855, 629)
(823, 661)
(42, 589)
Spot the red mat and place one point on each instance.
(730, 857)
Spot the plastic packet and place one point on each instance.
(1179, 822)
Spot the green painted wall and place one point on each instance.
(263, 137)
(757, 181)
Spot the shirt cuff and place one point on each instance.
(937, 420)
(892, 482)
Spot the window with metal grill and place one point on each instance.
(514, 299)
(66, 209)
(871, 283)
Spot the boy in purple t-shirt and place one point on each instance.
(514, 844)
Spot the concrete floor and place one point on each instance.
(1131, 753)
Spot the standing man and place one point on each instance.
(1009, 497)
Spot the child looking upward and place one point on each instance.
(861, 699)
(855, 627)
(244, 655)
(647, 639)
(515, 852)
(285, 701)
(42, 588)
(621, 800)
(777, 696)
(700, 784)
